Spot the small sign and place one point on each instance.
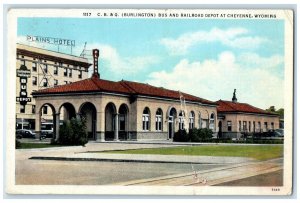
(23, 73)
(23, 99)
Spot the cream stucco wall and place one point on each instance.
(235, 118)
(135, 111)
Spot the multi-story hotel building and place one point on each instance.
(47, 69)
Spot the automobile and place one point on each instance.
(46, 134)
(24, 133)
(275, 133)
(279, 132)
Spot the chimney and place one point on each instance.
(234, 99)
(95, 57)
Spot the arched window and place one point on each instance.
(158, 120)
(212, 121)
(181, 121)
(146, 119)
(191, 120)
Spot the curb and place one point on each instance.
(118, 160)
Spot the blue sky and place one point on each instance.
(204, 57)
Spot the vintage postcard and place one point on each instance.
(150, 101)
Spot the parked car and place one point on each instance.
(24, 133)
(46, 134)
(279, 132)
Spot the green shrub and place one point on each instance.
(205, 134)
(194, 135)
(73, 132)
(201, 135)
(80, 135)
(18, 144)
(181, 136)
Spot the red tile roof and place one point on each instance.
(95, 84)
(228, 106)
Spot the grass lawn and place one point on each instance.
(37, 145)
(263, 152)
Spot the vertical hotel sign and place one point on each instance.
(23, 73)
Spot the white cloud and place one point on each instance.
(122, 65)
(232, 37)
(109, 55)
(216, 79)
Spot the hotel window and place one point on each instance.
(254, 126)
(65, 72)
(158, 120)
(45, 109)
(34, 67)
(272, 126)
(229, 126)
(22, 108)
(249, 126)
(80, 74)
(45, 68)
(55, 70)
(55, 82)
(66, 82)
(146, 119)
(34, 80)
(212, 121)
(33, 109)
(265, 126)
(191, 120)
(181, 121)
(45, 82)
(70, 73)
(244, 126)
(240, 126)
(60, 64)
(259, 126)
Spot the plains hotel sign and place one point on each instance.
(50, 40)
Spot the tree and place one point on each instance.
(280, 111)
(271, 109)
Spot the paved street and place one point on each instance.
(44, 172)
(137, 170)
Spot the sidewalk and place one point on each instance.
(212, 177)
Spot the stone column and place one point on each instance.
(38, 125)
(56, 124)
(100, 127)
(116, 127)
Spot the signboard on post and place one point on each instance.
(23, 73)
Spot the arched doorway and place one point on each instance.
(123, 122)
(47, 122)
(171, 121)
(110, 113)
(67, 111)
(89, 112)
